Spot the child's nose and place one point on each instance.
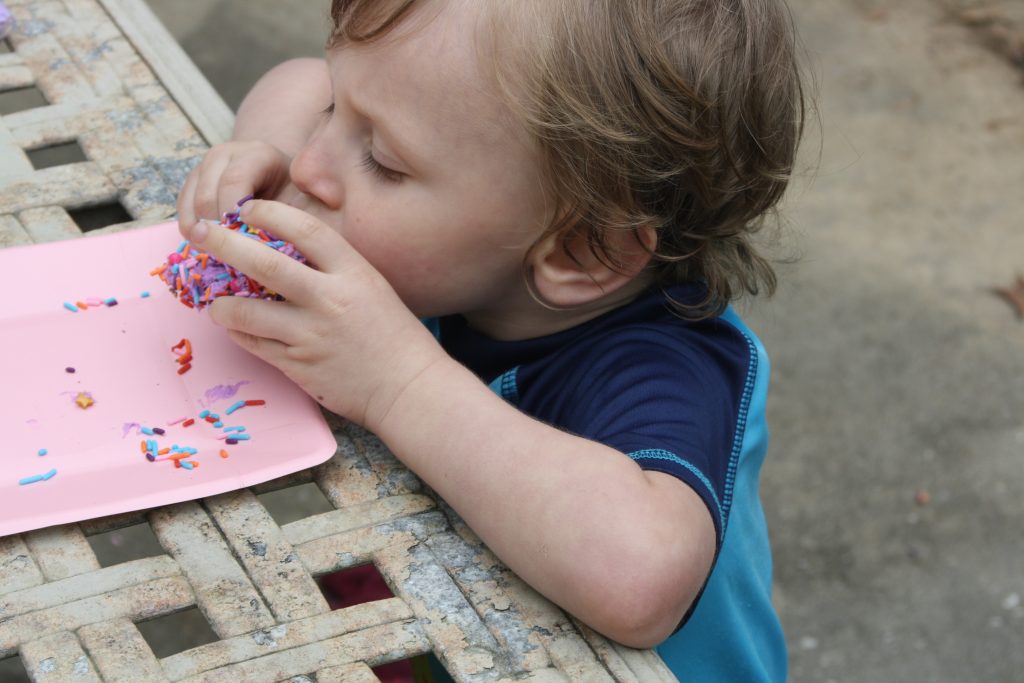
(311, 172)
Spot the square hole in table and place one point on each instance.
(20, 99)
(354, 586)
(96, 217)
(418, 669)
(13, 671)
(173, 633)
(124, 545)
(56, 155)
(295, 502)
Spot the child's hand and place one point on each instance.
(229, 172)
(342, 334)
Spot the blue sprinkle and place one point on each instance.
(147, 430)
(30, 480)
(234, 407)
(186, 464)
(71, 307)
(110, 302)
(218, 424)
(50, 474)
(241, 437)
(203, 414)
(182, 247)
(145, 295)
(43, 451)
(234, 429)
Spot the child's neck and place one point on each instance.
(536, 320)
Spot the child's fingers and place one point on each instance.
(186, 203)
(206, 202)
(277, 320)
(272, 269)
(315, 239)
(255, 169)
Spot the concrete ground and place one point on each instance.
(895, 485)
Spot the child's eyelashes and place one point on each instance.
(382, 172)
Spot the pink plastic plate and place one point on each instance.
(122, 357)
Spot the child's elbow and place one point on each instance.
(647, 612)
(644, 624)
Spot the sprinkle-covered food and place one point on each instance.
(197, 278)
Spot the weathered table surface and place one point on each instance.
(104, 75)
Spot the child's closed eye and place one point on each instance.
(379, 170)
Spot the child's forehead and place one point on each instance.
(434, 69)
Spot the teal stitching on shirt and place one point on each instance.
(507, 386)
(660, 454)
(741, 424)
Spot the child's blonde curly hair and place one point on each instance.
(681, 115)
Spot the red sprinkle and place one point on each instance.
(256, 402)
(184, 368)
(188, 423)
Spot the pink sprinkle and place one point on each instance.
(178, 421)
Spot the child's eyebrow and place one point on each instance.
(383, 125)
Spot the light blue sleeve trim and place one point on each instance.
(758, 358)
(434, 325)
(506, 385)
(659, 454)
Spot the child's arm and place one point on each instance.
(624, 550)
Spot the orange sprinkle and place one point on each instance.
(82, 305)
(179, 456)
(197, 277)
(184, 253)
(184, 368)
(163, 451)
(193, 463)
(206, 294)
(203, 258)
(142, 445)
(159, 270)
(223, 453)
(177, 282)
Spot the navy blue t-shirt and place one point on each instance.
(677, 396)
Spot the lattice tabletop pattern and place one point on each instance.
(252, 579)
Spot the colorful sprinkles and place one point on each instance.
(90, 302)
(196, 278)
(37, 477)
(183, 350)
(184, 456)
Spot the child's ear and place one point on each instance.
(567, 273)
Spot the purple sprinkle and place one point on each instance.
(231, 442)
(150, 457)
(6, 20)
(246, 198)
(157, 430)
(69, 369)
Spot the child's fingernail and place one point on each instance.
(200, 230)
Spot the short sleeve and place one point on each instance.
(669, 398)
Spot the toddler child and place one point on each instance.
(566, 192)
